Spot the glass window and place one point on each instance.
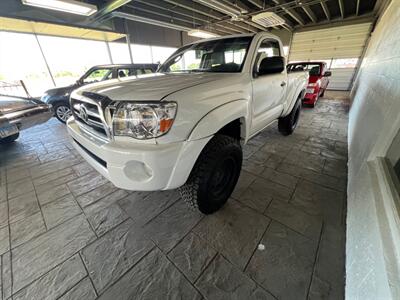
(269, 48)
(144, 71)
(313, 69)
(160, 54)
(224, 55)
(344, 63)
(98, 75)
(70, 58)
(120, 53)
(141, 54)
(125, 72)
(21, 59)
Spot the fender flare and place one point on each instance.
(221, 116)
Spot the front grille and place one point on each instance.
(89, 115)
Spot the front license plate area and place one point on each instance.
(8, 130)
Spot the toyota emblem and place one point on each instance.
(83, 113)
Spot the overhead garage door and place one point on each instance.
(340, 47)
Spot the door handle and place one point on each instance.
(283, 83)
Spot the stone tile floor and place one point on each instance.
(67, 233)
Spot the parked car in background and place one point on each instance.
(184, 126)
(18, 113)
(318, 80)
(59, 97)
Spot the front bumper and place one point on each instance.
(137, 166)
(29, 117)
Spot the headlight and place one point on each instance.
(143, 120)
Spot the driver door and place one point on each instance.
(268, 90)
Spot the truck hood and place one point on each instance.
(151, 87)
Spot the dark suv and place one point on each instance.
(59, 97)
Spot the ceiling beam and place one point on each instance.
(326, 10)
(358, 7)
(108, 8)
(309, 13)
(290, 12)
(183, 12)
(341, 6)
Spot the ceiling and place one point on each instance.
(234, 16)
(219, 16)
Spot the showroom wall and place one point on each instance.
(371, 268)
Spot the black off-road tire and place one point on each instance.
(287, 125)
(323, 93)
(9, 139)
(214, 175)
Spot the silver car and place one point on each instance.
(18, 113)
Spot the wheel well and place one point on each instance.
(232, 129)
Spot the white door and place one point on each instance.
(340, 47)
(268, 90)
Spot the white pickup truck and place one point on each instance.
(184, 126)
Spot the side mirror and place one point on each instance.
(328, 73)
(271, 65)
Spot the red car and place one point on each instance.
(318, 82)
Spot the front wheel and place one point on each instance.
(214, 175)
(287, 125)
(62, 112)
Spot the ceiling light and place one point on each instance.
(268, 19)
(202, 34)
(221, 7)
(69, 6)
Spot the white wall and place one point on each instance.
(373, 123)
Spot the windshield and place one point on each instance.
(223, 55)
(98, 75)
(313, 69)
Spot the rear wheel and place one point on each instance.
(288, 124)
(9, 139)
(62, 112)
(214, 175)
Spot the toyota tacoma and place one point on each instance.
(184, 126)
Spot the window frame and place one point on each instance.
(255, 59)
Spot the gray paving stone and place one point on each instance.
(319, 201)
(6, 275)
(309, 226)
(52, 193)
(335, 168)
(3, 193)
(328, 280)
(256, 196)
(142, 207)
(54, 283)
(3, 214)
(109, 257)
(38, 256)
(285, 266)
(52, 176)
(44, 169)
(107, 218)
(83, 168)
(23, 206)
(19, 188)
(96, 194)
(154, 277)
(61, 210)
(245, 179)
(252, 167)
(82, 291)
(105, 202)
(221, 280)
(4, 240)
(168, 228)
(278, 177)
(26, 229)
(274, 161)
(235, 231)
(86, 183)
(55, 182)
(192, 255)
